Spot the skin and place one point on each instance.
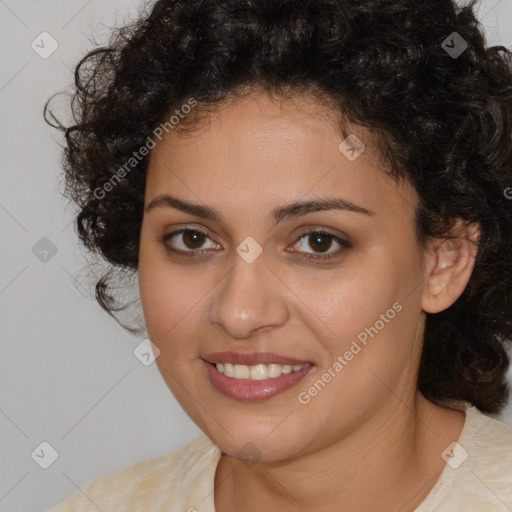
(369, 440)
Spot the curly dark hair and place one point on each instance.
(443, 123)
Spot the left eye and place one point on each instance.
(322, 241)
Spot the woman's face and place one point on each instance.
(242, 283)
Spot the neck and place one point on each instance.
(391, 462)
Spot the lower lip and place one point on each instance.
(254, 390)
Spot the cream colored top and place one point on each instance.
(477, 477)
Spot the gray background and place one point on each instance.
(68, 374)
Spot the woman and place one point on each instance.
(315, 197)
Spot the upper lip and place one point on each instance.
(251, 358)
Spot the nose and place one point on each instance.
(251, 299)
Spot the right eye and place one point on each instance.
(191, 240)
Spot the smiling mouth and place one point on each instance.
(255, 383)
(258, 371)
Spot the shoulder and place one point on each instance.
(478, 475)
(490, 458)
(159, 481)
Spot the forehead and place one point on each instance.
(267, 149)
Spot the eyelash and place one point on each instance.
(309, 257)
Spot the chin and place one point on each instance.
(264, 440)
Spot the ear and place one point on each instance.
(450, 262)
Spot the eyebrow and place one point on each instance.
(279, 214)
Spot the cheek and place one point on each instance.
(173, 299)
(158, 293)
(368, 316)
(349, 301)
(170, 307)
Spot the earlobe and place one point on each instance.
(454, 260)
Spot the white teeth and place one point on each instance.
(228, 370)
(241, 371)
(257, 372)
(274, 370)
(286, 368)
